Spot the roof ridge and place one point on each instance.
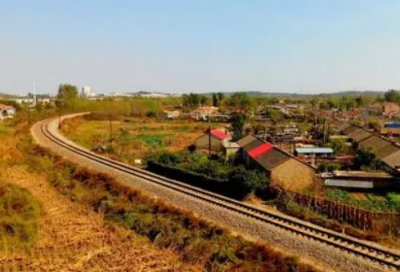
(372, 133)
(286, 153)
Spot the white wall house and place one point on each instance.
(6, 112)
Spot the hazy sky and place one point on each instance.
(200, 45)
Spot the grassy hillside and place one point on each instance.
(19, 211)
(19, 218)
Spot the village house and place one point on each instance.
(373, 110)
(282, 168)
(389, 109)
(6, 112)
(359, 180)
(230, 149)
(175, 114)
(310, 154)
(202, 113)
(384, 150)
(216, 138)
(390, 129)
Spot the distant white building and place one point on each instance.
(115, 94)
(24, 100)
(28, 100)
(153, 95)
(87, 92)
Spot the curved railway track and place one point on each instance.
(367, 250)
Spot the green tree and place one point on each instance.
(203, 100)
(331, 103)
(328, 167)
(314, 102)
(221, 96)
(215, 100)
(360, 101)
(191, 100)
(273, 114)
(338, 146)
(392, 96)
(365, 158)
(248, 181)
(238, 122)
(239, 101)
(67, 92)
(379, 99)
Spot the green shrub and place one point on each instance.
(20, 214)
(328, 167)
(217, 176)
(155, 140)
(248, 181)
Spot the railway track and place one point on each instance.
(367, 250)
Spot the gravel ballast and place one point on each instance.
(325, 257)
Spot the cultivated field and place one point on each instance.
(135, 138)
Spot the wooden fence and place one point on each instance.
(358, 217)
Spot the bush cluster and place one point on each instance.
(216, 176)
(328, 167)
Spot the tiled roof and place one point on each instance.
(264, 153)
(2, 106)
(265, 147)
(376, 144)
(360, 134)
(343, 126)
(393, 160)
(384, 150)
(246, 140)
(219, 134)
(337, 123)
(253, 144)
(387, 151)
(350, 129)
(272, 158)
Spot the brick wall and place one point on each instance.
(202, 143)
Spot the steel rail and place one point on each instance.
(367, 250)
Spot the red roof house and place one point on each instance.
(283, 168)
(216, 137)
(219, 134)
(258, 151)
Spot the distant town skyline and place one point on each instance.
(180, 46)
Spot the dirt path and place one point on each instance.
(73, 238)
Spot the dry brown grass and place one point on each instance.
(74, 238)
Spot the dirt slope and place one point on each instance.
(73, 238)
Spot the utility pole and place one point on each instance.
(209, 141)
(59, 117)
(34, 94)
(29, 115)
(110, 131)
